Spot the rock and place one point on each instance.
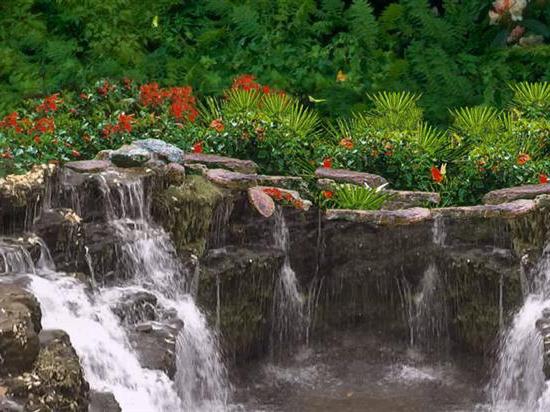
(174, 174)
(161, 149)
(130, 156)
(8, 405)
(543, 326)
(137, 307)
(262, 202)
(287, 182)
(89, 166)
(350, 176)
(19, 327)
(103, 402)
(514, 193)
(221, 162)
(509, 210)
(232, 180)
(103, 155)
(381, 217)
(56, 382)
(403, 199)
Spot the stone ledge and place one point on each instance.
(514, 193)
(509, 210)
(217, 162)
(350, 176)
(381, 217)
(89, 166)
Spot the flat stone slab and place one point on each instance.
(513, 193)
(89, 166)
(403, 199)
(232, 180)
(381, 217)
(161, 150)
(261, 201)
(350, 176)
(509, 210)
(221, 162)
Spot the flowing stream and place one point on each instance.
(102, 341)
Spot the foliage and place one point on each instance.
(483, 149)
(348, 196)
(334, 51)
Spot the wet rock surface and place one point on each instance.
(19, 327)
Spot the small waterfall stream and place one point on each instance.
(518, 382)
(102, 340)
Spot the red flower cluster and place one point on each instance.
(543, 178)
(104, 89)
(346, 143)
(248, 82)
(182, 101)
(280, 195)
(327, 194)
(124, 125)
(327, 163)
(10, 122)
(44, 125)
(49, 104)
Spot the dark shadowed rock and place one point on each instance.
(161, 150)
(221, 162)
(103, 402)
(350, 176)
(263, 203)
(130, 156)
(513, 193)
(174, 174)
(19, 327)
(89, 166)
(381, 217)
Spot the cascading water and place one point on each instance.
(518, 382)
(289, 322)
(102, 341)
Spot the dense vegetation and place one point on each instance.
(331, 53)
(483, 149)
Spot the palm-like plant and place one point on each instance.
(532, 98)
(476, 122)
(348, 196)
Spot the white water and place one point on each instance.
(289, 322)
(110, 363)
(519, 383)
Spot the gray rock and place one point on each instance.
(381, 217)
(161, 149)
(130, 156)
(19, 327)
(89, 166)
(103, 402)
(215, 161)
(514, 193)
(403, 199)
(350, 176)
(509, 210)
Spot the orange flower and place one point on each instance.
(327, 194)
(327, 163)
(437, 176)
(543, 179)
(523, 158)
(217, 125)
(197, 147)
(347, 143)
(37, 139)
(274, 193)
(125, 122)
(298, 204)
(75, 153)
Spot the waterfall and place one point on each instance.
(148, 258)
(518, 381)
(289, 322)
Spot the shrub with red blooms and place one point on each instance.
(49, 104)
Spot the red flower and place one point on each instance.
(44, 125)
(437, 176)
(288, 197)
(245, 82)
(523, 158)
(327, 194)
(6, 155)
(274, 193)
(10, 122)
(75, 153)
(327, 163)
(49, 104)
(150, 94)
(108, 130)
(84, 96)
(127, 83)
(197, 148)
(298, 204)
(266, 89)
(37, 139)
(182, 103)
(346, 143)
(217, 125)
(125, 122)
(543, 179)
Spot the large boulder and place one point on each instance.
(161, 150)
(130, 156)
(19, 327)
